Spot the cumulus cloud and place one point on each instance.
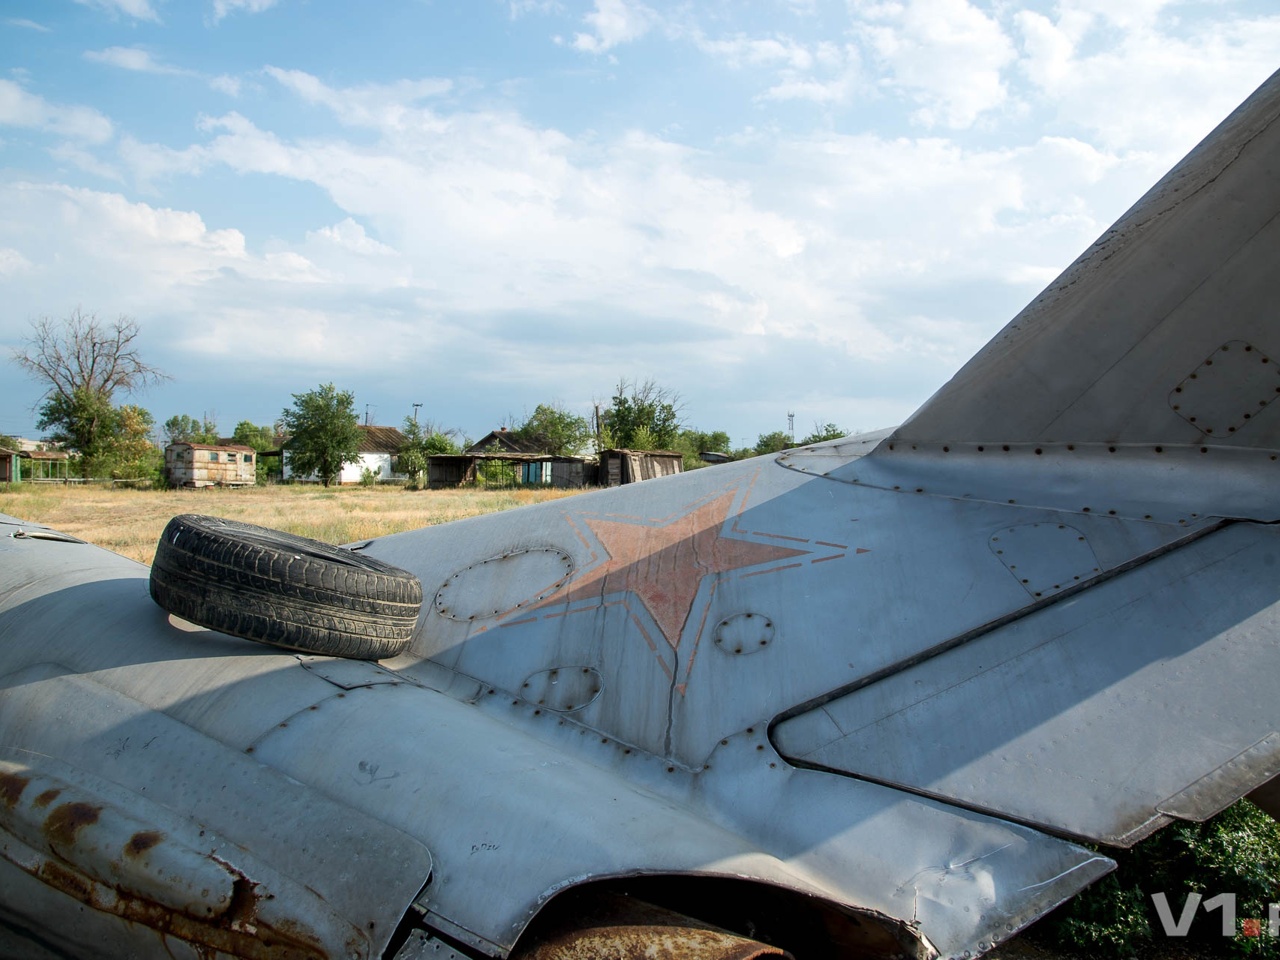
(138, 9)
(1135, 83)
(614, 22)
(946, 53)
(19, 108)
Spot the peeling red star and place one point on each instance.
(664, 564)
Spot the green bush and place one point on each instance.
(1238, 851)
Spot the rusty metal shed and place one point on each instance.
(9, 472)
(209, 465)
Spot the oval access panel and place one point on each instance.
(502, 584)
(563, 688)
(744, 633)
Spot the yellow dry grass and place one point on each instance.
(129, 522)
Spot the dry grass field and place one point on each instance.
(129, 522)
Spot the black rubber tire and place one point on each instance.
(288, 591)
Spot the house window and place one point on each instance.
(248, 458)
(231, 458)
(213, 457)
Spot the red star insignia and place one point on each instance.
(664, 563)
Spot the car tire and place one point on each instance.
(285, 590)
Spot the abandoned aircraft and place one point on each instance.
(864, 699)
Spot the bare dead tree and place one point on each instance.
(81, 354)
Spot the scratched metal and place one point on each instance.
(868, 558)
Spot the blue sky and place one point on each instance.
(770, 206)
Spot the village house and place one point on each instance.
(378, 449)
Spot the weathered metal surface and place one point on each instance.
(1046, 558)
(142, 818)
(1180, 654)
(1231, 387)
(849, 570)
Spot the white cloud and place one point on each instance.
(824, 73)
(946, 53)
(224, 83)
(22, 109)
(12, 262)
(26, 24)
(350, 236)
(131, 58)
(138, 9)
(614, 22)
(1148, 89)
(771, 51)
(370, 105)
(520, 8)
(222, 8)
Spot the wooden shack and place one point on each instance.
(209, 465)
(9, 469)
(631, 466)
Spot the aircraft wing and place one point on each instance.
(857, 700)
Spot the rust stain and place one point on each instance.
(11, 787)
(48, 796)
(238, 931)
(141, 842)
(69, 819)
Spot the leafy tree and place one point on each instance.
(421, 441)
(8, 442)
(261, 438)
(821, 432)
(691, 443)
(132, 454)
(773, 443)
(182, 428)
(552, 429)
(249, 434)
(82, 363)
(638, 407)
(324, 432)
(83, 421)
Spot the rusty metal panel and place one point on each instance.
(119, 811)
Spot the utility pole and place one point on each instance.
(791, 425)
(366, 414)
(415, 412)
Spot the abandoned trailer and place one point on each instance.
(209, 465)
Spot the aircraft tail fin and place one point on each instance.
(1165, 331)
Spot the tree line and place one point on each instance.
(85, 366)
